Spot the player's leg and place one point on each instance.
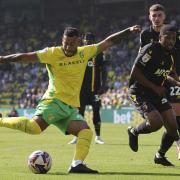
(84, 137)
(69, 121)
(178, 141)
(168, 137)
(152, 123)
(31, 126)
(97, 122)
(46, 113)
(152, 117)
(178, 123)
(176, 107)
(81, 111)
(166, 143)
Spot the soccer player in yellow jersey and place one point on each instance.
(66, 66)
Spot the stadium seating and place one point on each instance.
(20, 85)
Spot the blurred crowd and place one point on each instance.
(22, 85)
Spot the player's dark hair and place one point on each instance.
(157, 7)
(71, 31)
(168, 28)
(89, 36)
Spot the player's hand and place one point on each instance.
(160, 90)
(135, 28)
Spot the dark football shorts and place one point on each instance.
(148, 103)
(90, 99)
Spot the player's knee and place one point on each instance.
(172, 132)
(155, 128)
(32, 127)
(89, 131)
(86, 132)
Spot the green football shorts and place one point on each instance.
(55, 112)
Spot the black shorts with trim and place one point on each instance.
(90, 98)
(146, 103)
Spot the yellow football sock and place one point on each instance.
(21, 123)
(83, 144)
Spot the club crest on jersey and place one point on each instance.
(90, 64)
(146, 58)
(81, 54)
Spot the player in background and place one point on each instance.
(151, 68)
(13, 113)
(66, 66)
(94, 84)
(157, 17)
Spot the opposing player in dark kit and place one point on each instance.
(157, 18)
(151, 69)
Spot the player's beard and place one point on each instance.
(70, 53)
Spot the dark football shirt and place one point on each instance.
(94, 74)
(155, 62)
(149, 35)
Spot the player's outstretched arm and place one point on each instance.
(117, 37)
(30, 57)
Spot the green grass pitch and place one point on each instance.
(114, 159)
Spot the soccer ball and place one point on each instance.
(39, 162)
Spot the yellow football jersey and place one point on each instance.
(66, 73)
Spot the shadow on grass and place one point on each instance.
(58, 173)
(139, 174)
(123, 173)
(121, 144)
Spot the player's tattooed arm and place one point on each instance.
(117, 37)
(20, 57)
